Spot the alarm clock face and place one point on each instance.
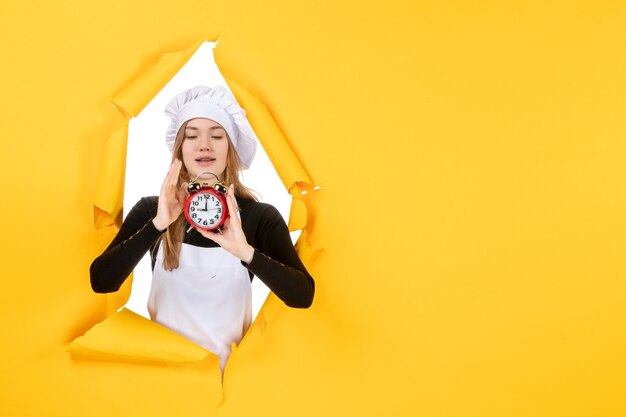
(205, 210)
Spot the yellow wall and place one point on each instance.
(490, 138)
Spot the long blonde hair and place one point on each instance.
(173, 237)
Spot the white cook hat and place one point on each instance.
(219, 105)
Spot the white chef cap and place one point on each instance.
(219, 105)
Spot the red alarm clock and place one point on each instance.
(205, 206)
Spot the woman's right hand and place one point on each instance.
(171, 199)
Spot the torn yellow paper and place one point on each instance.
(107, 204)
(131, 100)
(278, 150)
(137, 94)
(126, 335)
(306, 250)
(494, 132)
(297, 212)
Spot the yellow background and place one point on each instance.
(472, 215)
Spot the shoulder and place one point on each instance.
(260, 219)
(257, 210)
(263, 225)
(150, 201)
(146, 206)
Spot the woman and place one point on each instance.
(201, 280)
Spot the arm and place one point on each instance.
(137, 234)
(274, 260)
(140, 230)
(276, 263)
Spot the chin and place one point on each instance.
(208, 178)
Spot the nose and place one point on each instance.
(205, 144)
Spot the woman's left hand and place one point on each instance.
(231, 237)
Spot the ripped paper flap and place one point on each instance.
(107, 206)
(127, 335)
(136, 95)
(285, 161)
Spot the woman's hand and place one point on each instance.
(171, 199)
(231, 237)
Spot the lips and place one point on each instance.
(205, 160)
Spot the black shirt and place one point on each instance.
(275, 260)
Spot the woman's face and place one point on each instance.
(205, 148)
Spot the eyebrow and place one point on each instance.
(211, 128)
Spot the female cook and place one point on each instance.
(201, 279)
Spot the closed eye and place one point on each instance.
(212, 137)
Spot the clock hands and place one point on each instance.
(206, 206)
(207, 209)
